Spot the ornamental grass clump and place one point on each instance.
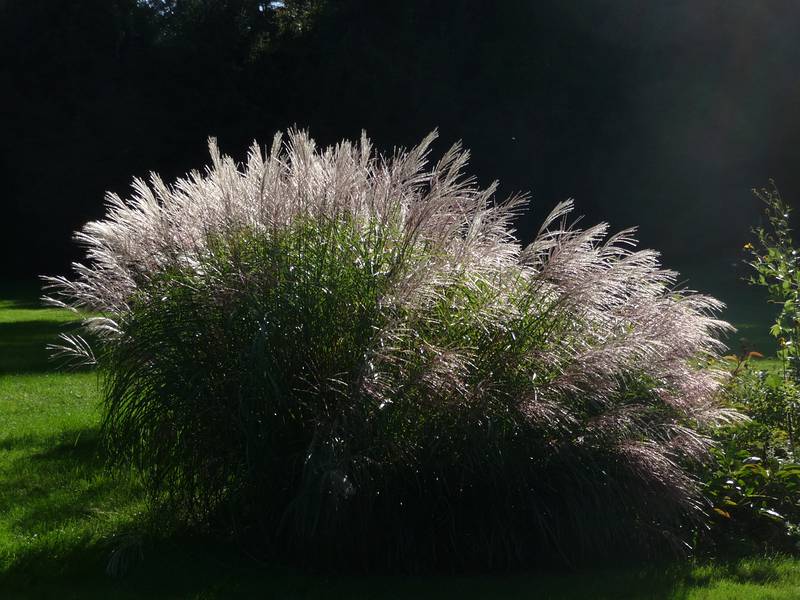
(349, 359)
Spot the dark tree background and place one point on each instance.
(658, 114)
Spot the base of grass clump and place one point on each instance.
(352, 361)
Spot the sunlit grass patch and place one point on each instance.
(55, 491)
(775, 578)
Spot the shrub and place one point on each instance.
(349, 359)
(775, 262)
(754, 484)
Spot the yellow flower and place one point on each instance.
(748, 246)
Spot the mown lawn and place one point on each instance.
(66, 522)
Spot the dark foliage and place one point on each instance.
(658, 117)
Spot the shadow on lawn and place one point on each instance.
(23, 345)
(21, 295)
(182, 569)
(49, 488)
(190, 568)
(67, 483)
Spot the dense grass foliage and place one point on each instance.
(65, 520)
(349, 359)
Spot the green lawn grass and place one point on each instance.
(66, 520)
